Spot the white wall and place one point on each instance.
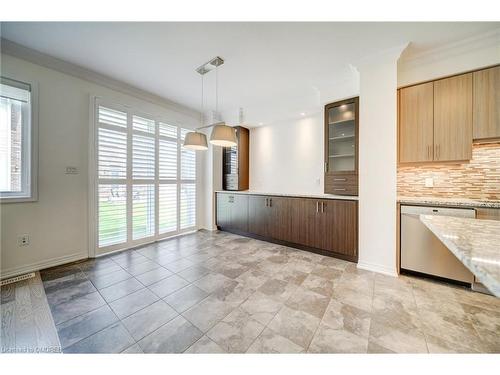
(465, 55)
(287, 157)
(377, 162)
(58, 223)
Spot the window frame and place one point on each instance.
(29, 159)
(94, 180)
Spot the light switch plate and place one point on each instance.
(429, 182)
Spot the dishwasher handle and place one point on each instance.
(441, 211)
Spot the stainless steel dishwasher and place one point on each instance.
(422, 252)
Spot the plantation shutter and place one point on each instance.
(146, 180)
(112, 174)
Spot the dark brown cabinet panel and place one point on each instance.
(239, 212)
(341, 223)
(325, 225)
(223, 212)
(279, 221)
(232, 212)
(235, 162)
(258, 215)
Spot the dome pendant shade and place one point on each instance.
(223, 135)
(196, 141)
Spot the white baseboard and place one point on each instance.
(378, 269)
(33, 267)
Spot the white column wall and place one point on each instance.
(377, 162)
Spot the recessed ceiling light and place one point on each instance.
(261, 123)
(302, 113)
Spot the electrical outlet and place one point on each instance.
(71, 170)
(23, 240)
(429, 182)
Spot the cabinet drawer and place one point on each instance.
(341, 184)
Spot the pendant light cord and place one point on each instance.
(201, 114)
(217, 91)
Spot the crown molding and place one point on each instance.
(490, 39)
(24, 53)
(392, 53)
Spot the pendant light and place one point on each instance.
(196, 140)
(222, 134)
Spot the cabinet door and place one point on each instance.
(341, 219)
(486, 105)
(239, 213)
(324, 227)
(258, 215)
(223, 210)
(341, 127)
(298, 220)
(279, 220)
(416, 123)
(453, 118)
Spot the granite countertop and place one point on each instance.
(449, 202)
(297, 195)
(476, 243)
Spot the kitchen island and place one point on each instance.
(476, 243)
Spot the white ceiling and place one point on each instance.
(272, 70)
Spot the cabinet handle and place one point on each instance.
(326, 167)
(266, 202)
(339, 189)
(322, 206)
(270, 202)
(439, 151)
(340, 179)
(317, 206)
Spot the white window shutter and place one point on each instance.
(112, 153)
(143, 157)
(168, 159)
(188, 205)
(167, 208)
(112, 214)
(143, 211)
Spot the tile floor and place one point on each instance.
(219, 293)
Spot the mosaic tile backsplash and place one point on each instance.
(478, 179)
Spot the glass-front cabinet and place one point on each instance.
(341, 147)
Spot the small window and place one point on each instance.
(17, 169)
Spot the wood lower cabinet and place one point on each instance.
(328, 226)
(232, 212)
(258, 215)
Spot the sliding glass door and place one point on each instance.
(145, 180)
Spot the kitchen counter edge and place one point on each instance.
(292, 195)
(444, 202)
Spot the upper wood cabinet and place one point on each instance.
(435, 120)
(416, 130)
(486, 104)
(453, 118)
(341, 147)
